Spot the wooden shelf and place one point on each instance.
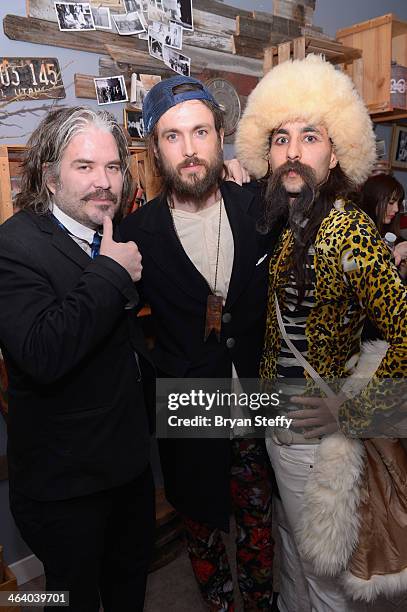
(11, 157)
(383, 40)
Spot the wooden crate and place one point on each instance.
(10, 584)
(298, 48)
(383, 40)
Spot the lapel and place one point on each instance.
(237, 203)
(166, 250)
(61, 240)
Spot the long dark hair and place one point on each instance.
(317, 203)
(337, 186)
(376, 194)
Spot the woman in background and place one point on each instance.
(382, 198)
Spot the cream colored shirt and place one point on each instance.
(198, 233)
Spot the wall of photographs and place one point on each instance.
(160, 22)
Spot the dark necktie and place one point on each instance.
(95, 246)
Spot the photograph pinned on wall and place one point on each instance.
(131, 23)
(110, 90)
(133, 6)
(140, 88)
(180, 12)
(101, 17)
(133, 123)
(181, 64)
(74, 17)
(155, 48)
(154, 14)
(168, 34)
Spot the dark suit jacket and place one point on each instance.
(197, 472)
(77, 420)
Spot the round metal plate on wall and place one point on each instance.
(228, 98)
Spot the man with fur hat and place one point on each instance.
(307, 124)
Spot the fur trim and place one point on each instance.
(368, 590)
(329, 526)
(312, 90)
(371, 355)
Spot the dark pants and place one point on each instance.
(95, 546)
(251, 486)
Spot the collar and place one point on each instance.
(74, 228)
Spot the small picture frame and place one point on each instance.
(398, 153)
(133, 124)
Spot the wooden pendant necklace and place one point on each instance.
(214, 303)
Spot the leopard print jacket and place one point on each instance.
(355, 278)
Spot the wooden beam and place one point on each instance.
(284, 52)
(37, 8)
(126, 62)
(39, 31)
(261, 15)
(218, 8)
(299, 47)
(253, 28)
(212, 23)
(394, 115)
(210, 31)
(248, 47)
(42, 32)
(268, 61)
(331, 45)
(85, 86)
(286, 26)
(208, 40)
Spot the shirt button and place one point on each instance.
(226, 317)
(230, 342)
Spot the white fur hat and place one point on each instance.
(309, 90)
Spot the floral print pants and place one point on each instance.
(250, 487)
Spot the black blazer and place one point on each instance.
(77, 419)
(197, 472)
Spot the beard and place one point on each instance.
(194, 188)
(283, 207)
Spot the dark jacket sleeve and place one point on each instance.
(48, 332)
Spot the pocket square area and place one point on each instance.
(261, 259)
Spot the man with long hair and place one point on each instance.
(307, 125)
(205, 278)
(81, 489)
